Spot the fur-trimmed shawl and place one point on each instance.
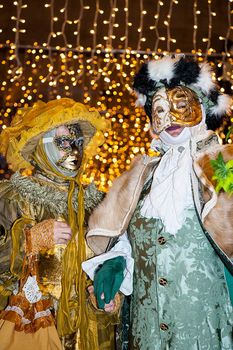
(111, 218)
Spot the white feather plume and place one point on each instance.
(205, 82)
(223, 105)
(162, 69)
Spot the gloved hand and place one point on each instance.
(108, 279)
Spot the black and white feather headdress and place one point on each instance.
(178, 70)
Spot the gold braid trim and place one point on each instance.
(42, 236)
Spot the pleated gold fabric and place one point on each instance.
(44, 338)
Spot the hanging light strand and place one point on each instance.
(18, 70)
(1, 6)
(156, 16)
(63, 28)
(78, 21)
(167, 24)
(109, 59)
(209, 28)
(48, 45)
(140, 29)
(111, 22)
(64, 52)
(93, 31)
(229, 28)
(81, 69)
(195, 26)
(126, 37)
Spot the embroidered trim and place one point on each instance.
(25, 321)
(51, 196)
(40, 314)
(20, 312)
(15, 309)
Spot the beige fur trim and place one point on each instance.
(217, 212)
(212, 200)
(111, 218)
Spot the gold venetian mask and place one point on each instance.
(60, 151)
(176, 106)
(69, 143)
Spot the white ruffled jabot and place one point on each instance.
(170, 192)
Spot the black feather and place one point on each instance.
(142, 83)
(213, 121)
(148, 107)
(186, 71)
(213, 95)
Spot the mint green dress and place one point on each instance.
(180, 299)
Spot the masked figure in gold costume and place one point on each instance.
(165, 217)
(55, 140)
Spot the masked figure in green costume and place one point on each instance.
(165, 217)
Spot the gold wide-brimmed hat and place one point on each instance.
(19, 140)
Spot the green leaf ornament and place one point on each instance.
(223, 174)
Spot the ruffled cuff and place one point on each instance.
(121, 248)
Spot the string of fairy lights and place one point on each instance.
(91, 50)
(195, 26)
(155, 27)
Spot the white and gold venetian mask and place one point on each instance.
(175, 106)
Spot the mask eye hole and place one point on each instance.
(159, 110)
(180, 94)
(181, 105)
(63, 143)
(79, 142)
